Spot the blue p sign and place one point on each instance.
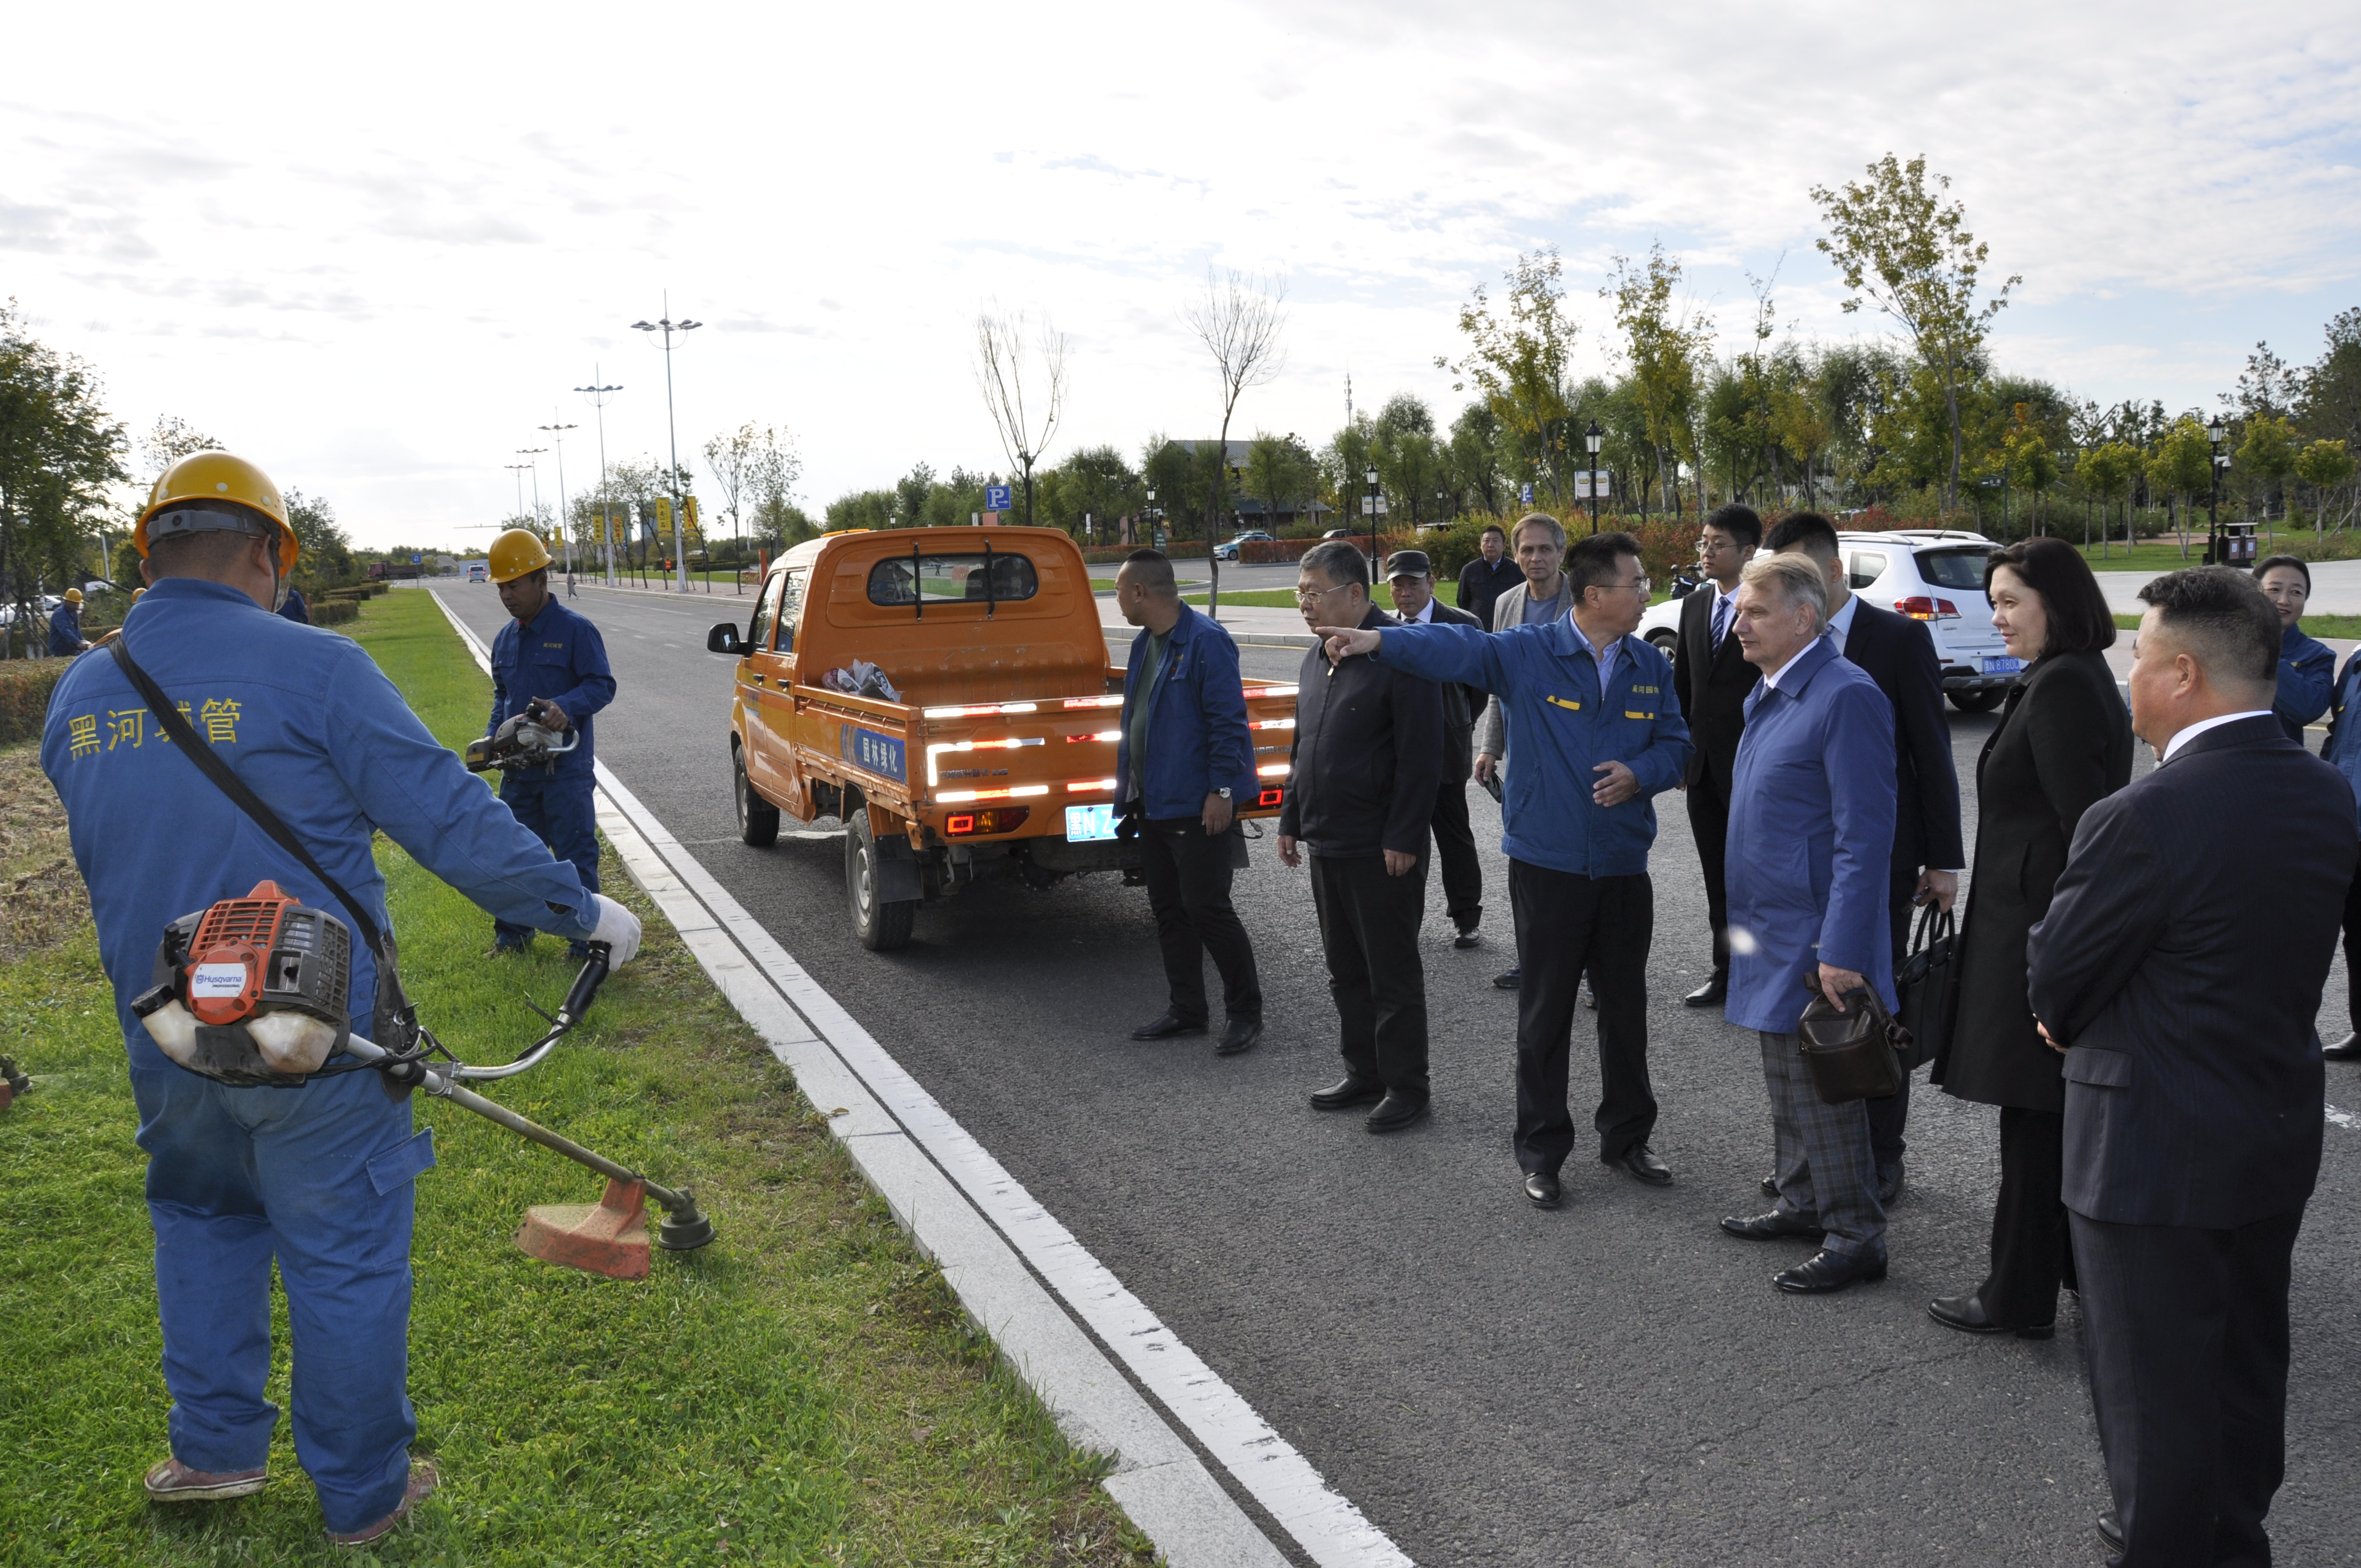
(1525, 496)
(995, 498)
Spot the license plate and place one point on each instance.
(1086, 823)
(1998, 665)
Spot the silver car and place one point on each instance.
(1935, 575)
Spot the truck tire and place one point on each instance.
(758, 820)
(1981, 700)
(880, 925)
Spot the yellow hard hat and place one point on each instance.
(138, 594)
(517, 551)
(73, 596)
(207, 491)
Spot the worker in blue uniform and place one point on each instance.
(65, 626)
(550, 657)
(318, 1177)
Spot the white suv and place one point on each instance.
(1930, 574)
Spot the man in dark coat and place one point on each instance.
(1898, 653)
(1487, 576)
(1712, 679)
(1360, 800)
(1411, 575)
(2181, 987)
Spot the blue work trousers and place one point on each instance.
(556, 808)
(321, 1178)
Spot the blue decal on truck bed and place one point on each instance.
(878, 754)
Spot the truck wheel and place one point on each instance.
(758, 820)
(1983, 701)
(881, 925)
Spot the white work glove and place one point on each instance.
(619, 928)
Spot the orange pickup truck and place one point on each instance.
(994, 754)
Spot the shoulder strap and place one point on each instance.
(195, 749)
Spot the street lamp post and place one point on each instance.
(665, 325)
(518, 470)
(530, 454)
(1370, 476)
(1147, 515)
(566, 527)
(1592, 439)
(2219, 435)
(598, 396)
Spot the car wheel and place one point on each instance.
(1664, 642)
(758, 820)
(879, 926)
(1983, 699)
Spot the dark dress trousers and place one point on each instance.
(1366, 761)
(2063, 745)
(2182, 962)
(1454, 840)
(1712, 681)
(1898, 653)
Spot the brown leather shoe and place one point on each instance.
(173, 1482)
(423, 1479)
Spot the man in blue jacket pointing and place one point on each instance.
(1596, 734)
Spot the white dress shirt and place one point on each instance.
(2202, 725)
(1840, 623)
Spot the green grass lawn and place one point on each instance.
(806, 1390)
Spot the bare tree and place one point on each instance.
(1004, 344)
(754, 464)
(1238, 321)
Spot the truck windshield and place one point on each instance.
(951, 579)
(1959, 570)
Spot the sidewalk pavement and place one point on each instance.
(1253, 626)
(2336, 588)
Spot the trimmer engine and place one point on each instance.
(524, 740)
(254, 989)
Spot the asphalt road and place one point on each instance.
(1613, 1383)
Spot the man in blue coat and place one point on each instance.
(318, 1177)
(1598, 734)
(1811, 834)
(552, 662)
(2307, 667)
(1183, 759)
(65, 626)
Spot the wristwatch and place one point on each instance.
(1224, 792)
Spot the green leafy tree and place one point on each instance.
(1095, 483)
(1279, 473)
(2181, 467)
(59, 450)
(2325, 465)
(1519, 360)
(1659, 347)
(326, 557)
(1899, 245)
(2105, 472)
(1472, 459)
(2267, 454)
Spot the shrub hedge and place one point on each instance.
(25, 689)
(335, 612)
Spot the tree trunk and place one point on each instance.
(1951, 406)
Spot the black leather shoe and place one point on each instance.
(1541, 1187)
(1774, 1226)
(1396, 1112)
(1513, 980)
(1641, 1162)
(1966, 1313)
(1771, 1185)
(2111, 1532)
(1889, 1183)
(2346, 1050)
(1712, 994)
(1240, 1035)
(1469, 938)
(1167, 1027)
(1348, 1093)
(1826, 1272)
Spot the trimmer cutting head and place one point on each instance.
(610, 1237)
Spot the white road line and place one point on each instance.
(907, 1145)
(2344, 1119)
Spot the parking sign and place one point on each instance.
(1525, 496)
(995, 498)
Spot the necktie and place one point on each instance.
(1720, 619)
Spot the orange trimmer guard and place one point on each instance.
(609, 1237)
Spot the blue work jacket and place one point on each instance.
(1560, 729)
(1811, 839)
(65, 631)
(2306, 669)
(312, 725)
(559, 655)
(2343, 747)
(295, 608)
(1197, 734)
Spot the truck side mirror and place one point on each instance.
(724, 638)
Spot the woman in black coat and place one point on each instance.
(2064, 742)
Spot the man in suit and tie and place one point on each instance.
(1712, 679)
(1898, 653)
(1411, 575)
(2181, 988)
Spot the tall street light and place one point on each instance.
(1593, 439)
(565, 526)
(529, 453)
(518, 470)
(2219, 435)
(665, 325)
(600, 396)
(1369, 477)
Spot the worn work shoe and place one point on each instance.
(173, 1482)
(423, 1479)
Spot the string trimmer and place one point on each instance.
(253, 992)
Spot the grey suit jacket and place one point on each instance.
(1509, 610)
(2182, 961)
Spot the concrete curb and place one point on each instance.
(1059, 1317)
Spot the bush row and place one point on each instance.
(25, 689)
(335, 612)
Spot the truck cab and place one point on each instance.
(948, 694)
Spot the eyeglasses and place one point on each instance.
(1318, 594)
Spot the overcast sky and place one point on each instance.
(374, 249)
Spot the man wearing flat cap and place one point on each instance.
(1411, 574)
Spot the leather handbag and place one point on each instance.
(1928, 985)
(1855, 1054)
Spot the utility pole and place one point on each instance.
(529, 453)
(665, 325)
(518, 470)
(600, 396)
(557, 439)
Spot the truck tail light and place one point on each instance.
(1274, 770)
(950, 796)
(999, 820)
(1271, 798)
(1926, 608)
(1100, 735)
(1114, 701)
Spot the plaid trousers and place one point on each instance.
(1824, 1160)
